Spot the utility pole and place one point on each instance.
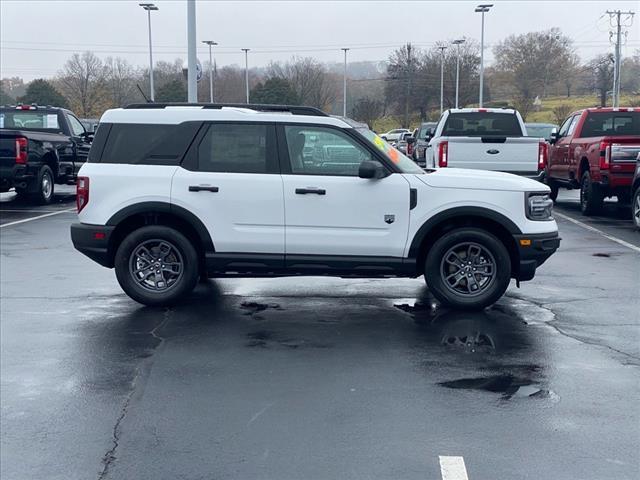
(458, 43)
(619, 25)
(246, 70)
(442, 49)
(210, 43)
(344, 84)
(192, 81)
(482, 9)
(149, 7)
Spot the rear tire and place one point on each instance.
(468, 268)
(156, 265)
(590, 197)
(44, 187)
(635, 208)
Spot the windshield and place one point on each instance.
(29, 120)
(482, 124)
(405, 164)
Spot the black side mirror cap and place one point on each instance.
(370, 169)
(410, 140)
(553, 138)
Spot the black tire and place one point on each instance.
(134, 276)
(438, 269)
(553, 185)
(45, 186)
(590, 197)
(635, 208)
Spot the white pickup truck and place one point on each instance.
(486, 139)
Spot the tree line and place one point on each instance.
(525, 67)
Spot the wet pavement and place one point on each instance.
(317, 378)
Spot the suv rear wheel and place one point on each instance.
(635, 208)
(156, 265)
(468, 268)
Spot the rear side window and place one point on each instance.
(149, 144)
(482, 124)
(238, 148)
(600, 124)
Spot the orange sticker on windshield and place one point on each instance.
(393, 154)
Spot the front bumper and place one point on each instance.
(93, 241)
(533, 251)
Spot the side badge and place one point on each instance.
(389, 218)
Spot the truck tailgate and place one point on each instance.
(505, 154)
(8, 148)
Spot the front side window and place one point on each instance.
(323, 151)
(236, 148)
(76, 126)
(572, 126)
(564, 128)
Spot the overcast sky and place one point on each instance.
(38, 36)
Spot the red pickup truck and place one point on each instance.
(595, 150)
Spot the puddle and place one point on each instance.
(253, 308)
(510, 386)
(267, 339)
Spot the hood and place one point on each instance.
(480, 180)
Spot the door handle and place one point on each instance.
(203, 188)
(314, 190)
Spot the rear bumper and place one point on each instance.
(534, 253)
(93, 241)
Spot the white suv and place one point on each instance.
(173, 193)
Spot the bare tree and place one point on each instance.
(402, 71)
(532, 61)
(367, 110)
(230, 85)
(121, 81)
(83, 82)
(561, 112)
(601, 79)
(313, 85)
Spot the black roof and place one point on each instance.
(293, 109)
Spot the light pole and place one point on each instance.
(192, 55)
(344, 84)
(246, 70)
(211, 43)
(149, 7)
(442, 49)
(482, 9)
(458, 42)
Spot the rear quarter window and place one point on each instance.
(145, 144)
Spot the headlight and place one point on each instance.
(538, 206)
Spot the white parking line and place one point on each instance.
(593, 229)
(36, 218)
(453, 468)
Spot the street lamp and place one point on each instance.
(344, 85)
(442, 49)
(149, 7)
(211, 43)
(458, 42)
(246, 70)
(482, 9)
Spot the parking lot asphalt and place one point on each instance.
(317, 378)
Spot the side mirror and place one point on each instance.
(410, 140)
(370, 169)
(430, 133)
(553, 138)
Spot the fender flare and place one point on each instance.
(164, 207)
(459, 212)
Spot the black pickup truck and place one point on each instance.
(40, 146)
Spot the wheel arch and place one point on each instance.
(159, 213)
(479, 217)
(584, 166)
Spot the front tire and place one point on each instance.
(156, 265)
(468, 268)
(553, 195)
(590, 197)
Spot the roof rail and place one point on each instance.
(293, 109)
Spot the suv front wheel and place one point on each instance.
(156, 265)
(468, 268)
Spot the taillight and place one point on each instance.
(543, 155)
(605, 155)
(82, 193)
(442, 154)
(409, 148)
(21, 150)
